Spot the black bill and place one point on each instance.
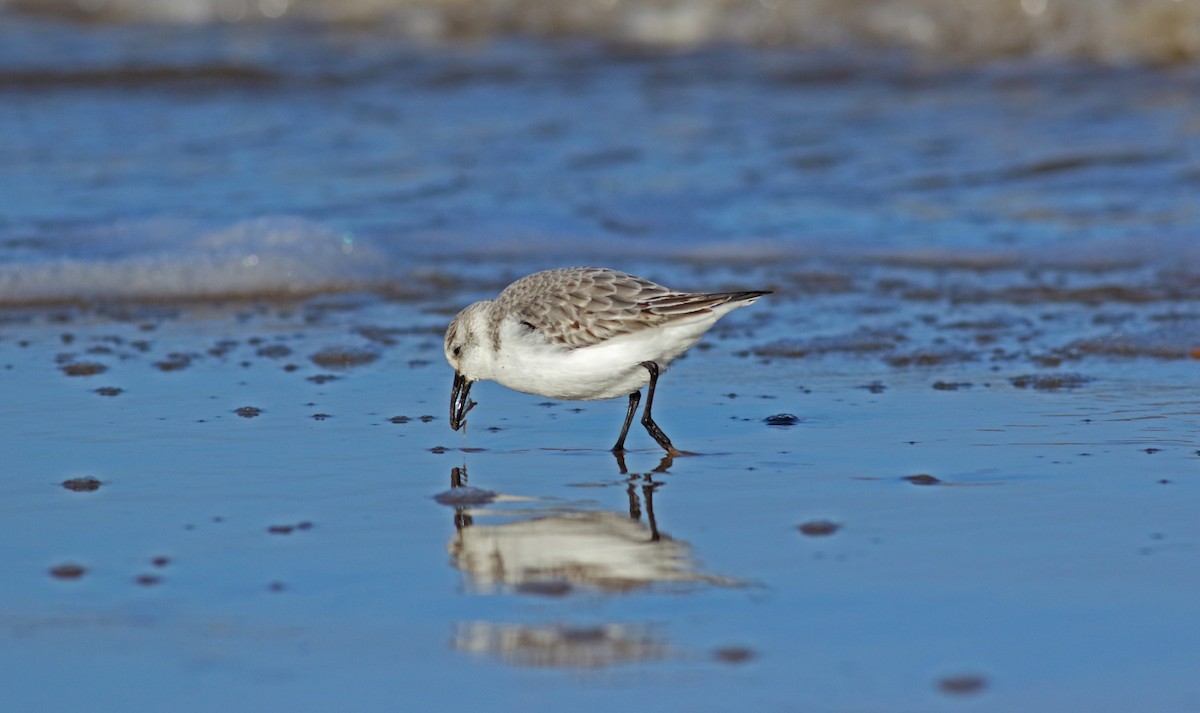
(459, 403)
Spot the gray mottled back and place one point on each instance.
(581, 306)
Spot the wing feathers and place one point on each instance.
(581, 307)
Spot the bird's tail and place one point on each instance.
(689, 303)
(748, 297)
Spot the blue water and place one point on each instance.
(129, 147)
(1052, 562)
(196, 209)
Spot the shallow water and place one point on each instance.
(304, 546)
(227, 255)
(185, 162)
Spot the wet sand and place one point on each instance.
(951, 463)
(914, 488)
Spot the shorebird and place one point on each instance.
(581, 333)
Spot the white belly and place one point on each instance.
(604, 371)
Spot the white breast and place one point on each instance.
(526, 362)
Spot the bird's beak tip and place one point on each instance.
(460, 404)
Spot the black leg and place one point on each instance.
(648, 420)
(621, 468)
(458, 476)
(634, 399)
(635, 504)
(458, 479)
(648, 495)
(667, 461)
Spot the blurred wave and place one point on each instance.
(287, 257)
(169, 260)
(1159, 31)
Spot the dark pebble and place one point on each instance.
(82, 485)
(963, 685)
(83, 368)
(1049, 382)
(289, 529)
(734, 654)
(67, 571)
(951, 385)
(782, 419)
(819, 528)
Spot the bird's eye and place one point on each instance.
(457, 351)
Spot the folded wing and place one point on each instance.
(578, 308)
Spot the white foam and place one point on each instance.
(281, 257)
(167, 260)
(1142, 30)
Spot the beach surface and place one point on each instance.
(951, 463)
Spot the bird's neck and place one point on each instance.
(486, 331)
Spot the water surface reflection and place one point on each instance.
(562, 645)
(551, 548)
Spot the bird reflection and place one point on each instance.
(458, 479)
(463, 497)
(552, 550)
(635, 504)
(542, 548)
(665, 463)
(562, 645)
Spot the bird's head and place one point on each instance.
(466, 351)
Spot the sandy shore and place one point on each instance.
(251, 507)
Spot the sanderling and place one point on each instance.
(581, 333)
